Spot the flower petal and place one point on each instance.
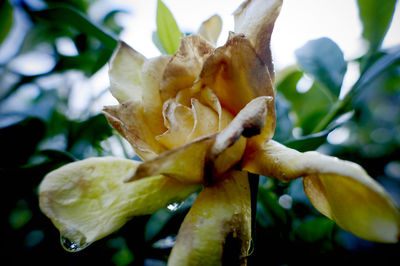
(179, 120)
(217, 229)
(214, 154)
(185, 66)
(256, 19)
(185, 163)
(206, 120)
(237, 75)
(128, 119)
(340, 190)
(151, 98)
(125, 73)
(211, 28)
(88, 200)
(229, 146)
(224, 117)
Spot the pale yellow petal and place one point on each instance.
(340, 190)
(185, 66)
(127, 118)
(206, 120)
(152, 104)
(217, 229)
(256, 19)
(237, 75)
(224, 117)
(179, 119)
(211, 28)
(88, 200)
(125, 73)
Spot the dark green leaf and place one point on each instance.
(167, 29)
(156, 223)
(313, 141)
(375, 17)
(110, 22)
(57, 155)
(377, 68)
(18, 142)
(88, 134)
(89, 62)
(19, 217)
(6, 19)
(310, 107)
(315, 230)
(72, 17)
(308, 143)
(324, 60)
(271, 205)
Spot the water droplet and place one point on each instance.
(71, 245)
(174, 206)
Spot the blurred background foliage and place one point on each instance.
(41, 129)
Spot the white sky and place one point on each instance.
(298, 22)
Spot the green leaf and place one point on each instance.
(156, 223)
(167, 29)
(309, 107)
(6, 19)
(375, 17)
(158, 43)
(315, 230)
(89, 62)
(379, 67)
(376, 69)
(324, 60)
(88, 133)
(72, 17)
(271, 205)
(110, 21)
(313, 141)
(309, 142)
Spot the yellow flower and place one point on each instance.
(204, 117)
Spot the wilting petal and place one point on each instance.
(237, 75)
(217, 229)
(88, 200)
(340, 190)
(127, 118)
(205, 120)
(179, 120)
(185, 163)
(213, 154)
(125, 73)
(152, 104)
(256, 19)
(211, 28)
(227, 150)
(224, 117)
(185, 66)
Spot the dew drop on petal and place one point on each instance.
(71, 245)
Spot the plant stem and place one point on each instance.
(253, 181)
